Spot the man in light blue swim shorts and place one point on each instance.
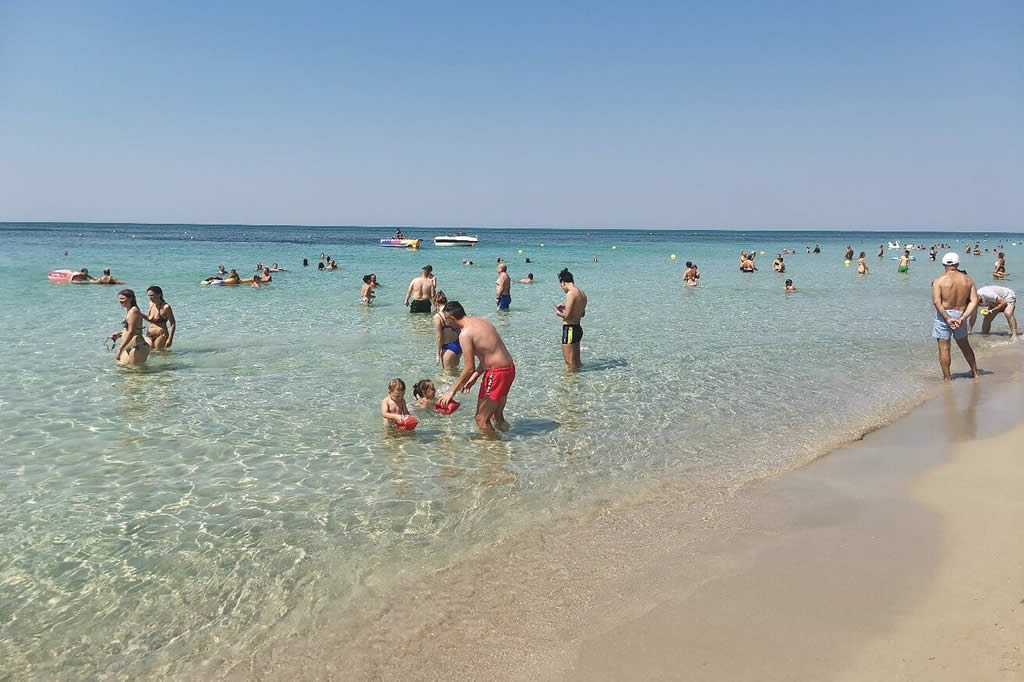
(955, 299)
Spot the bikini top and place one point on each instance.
(445, 325)
(124, 322)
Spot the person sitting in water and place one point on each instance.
(862, 264)
(321, 266)
(366, 292)
(82, 276)
(424, 392)
(133, 350)
(221, 270)
(232, 278)
(107, 278)
(747, 265)
(527, 280)
(255, 283)
(446, 336)
(266, 278)
(393, 409)
(789, 286)
(161, 320)
(779, 265)
(332, 264)
(1000, 266)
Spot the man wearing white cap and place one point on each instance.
(994, 299)
(955, 299)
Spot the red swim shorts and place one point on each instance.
(497, 382)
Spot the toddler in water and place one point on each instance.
(393, 409)
(424, 393)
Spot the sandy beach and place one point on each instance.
(896, 557)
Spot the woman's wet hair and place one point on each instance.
(157, 290)
(420, 388)
(565, 276)
(366, 279)
(454, 309)
(396, 384)
(129, 294)
(440, 298)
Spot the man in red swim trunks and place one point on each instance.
(480, 341)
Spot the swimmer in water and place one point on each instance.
(448, 351)
(779, 265)
(107, 278)
(161, 320)
(232, 278)
(747, 264)
(527, 280)
(393, 410)
(424, 392)
(862, 264)
(373, 281)
(790, 288)
(881, 250)
(133, 350)
(82, 276)
(690, 275)
(1000, 267)
(366, 294)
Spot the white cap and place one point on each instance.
(951, 258)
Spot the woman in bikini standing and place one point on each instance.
(134, 350)
(447, 337)
(161, 320)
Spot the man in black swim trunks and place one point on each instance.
(421, 292)
(571, 312)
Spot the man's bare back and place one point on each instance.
(575, 306)
(953, 289)
(481, 338)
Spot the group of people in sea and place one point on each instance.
(83, 277)
(225, 277)
(474, 341)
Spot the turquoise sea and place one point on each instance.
(241, 488)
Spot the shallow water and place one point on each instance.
(241, 486)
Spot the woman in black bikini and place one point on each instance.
(134, 350)
(161, 320)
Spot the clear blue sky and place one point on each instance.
(576, 114)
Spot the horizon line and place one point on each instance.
(518, 227)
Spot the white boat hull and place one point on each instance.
(455, 241)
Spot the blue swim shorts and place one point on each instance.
(504, 302)
(941, 329)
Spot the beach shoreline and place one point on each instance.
(799, 575)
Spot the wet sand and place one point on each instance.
(896, 557)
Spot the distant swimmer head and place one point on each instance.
(106, 271)
(529, 276)
(951, 258)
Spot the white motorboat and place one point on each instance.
(895, 245)
(457, 239)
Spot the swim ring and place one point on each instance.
(60, 276)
